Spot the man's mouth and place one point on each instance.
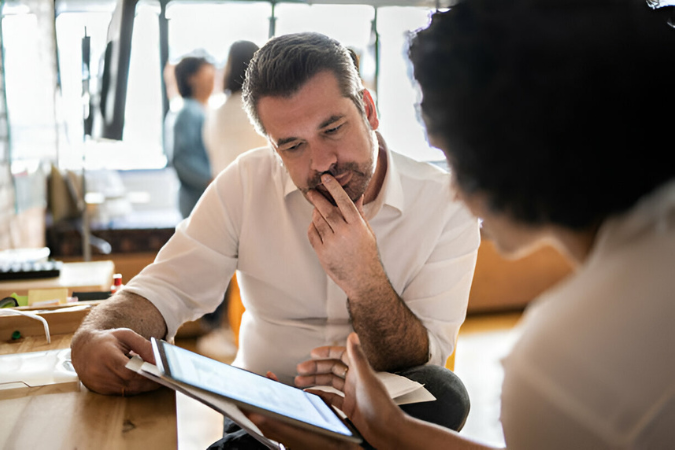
(322, 190)
(343, 179)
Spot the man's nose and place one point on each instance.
(323, 158)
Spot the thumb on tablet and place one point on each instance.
(357, 359)
(134, 342)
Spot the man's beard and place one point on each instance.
(355, 188)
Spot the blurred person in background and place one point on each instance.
(194, 78)
(227, 131)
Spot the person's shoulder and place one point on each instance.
(257, 171)
(261, 155)
(259, 161)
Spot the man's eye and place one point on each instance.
(294, 147)
(333, 130)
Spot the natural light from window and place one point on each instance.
(207, 28)
(29, 89)
(142, 141)
(398, 95)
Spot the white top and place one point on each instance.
(254, 219)
(595, 365)
(228, 133)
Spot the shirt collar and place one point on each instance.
(391, 193)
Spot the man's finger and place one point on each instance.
(118, 380)
(324, 379)
(321, 224)
(334, 366)
(309, 367)
(331, 397)
(133, 341)
(342, 200)
(330, 352)
(331, 214)
(359, 206)
(314, 236)
(345, 206)
(357, 358)
(138, 384)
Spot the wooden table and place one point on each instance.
(72, 417)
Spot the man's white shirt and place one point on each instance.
(253, 219)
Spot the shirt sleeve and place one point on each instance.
(439, 293)
(192, 271)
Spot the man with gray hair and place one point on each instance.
(329, 232)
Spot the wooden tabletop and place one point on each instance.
(69, 416)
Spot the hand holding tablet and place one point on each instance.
(251, 391)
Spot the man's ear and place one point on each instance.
(371, 110)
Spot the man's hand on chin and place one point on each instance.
(343, 240)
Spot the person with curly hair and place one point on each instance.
(556, 120)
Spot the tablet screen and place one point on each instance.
(251, 389)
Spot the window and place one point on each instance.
(397, 92)
(70, 29)
(143, 114)
(352, 25)
(208, 28)
(349, 24)
(30, 80)
(142, 142)
(212, 28)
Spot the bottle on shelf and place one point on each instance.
(117, 284)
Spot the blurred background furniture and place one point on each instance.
(77, 277)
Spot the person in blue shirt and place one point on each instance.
(194, 78)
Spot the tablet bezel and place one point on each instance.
(164, 368)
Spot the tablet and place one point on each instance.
(252, 391)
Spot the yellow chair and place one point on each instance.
(450, 363)
(235, 308)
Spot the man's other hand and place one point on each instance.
(343, 240)
(328, 367)
(100, 357)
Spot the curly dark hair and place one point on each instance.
(560, 111)
(187, 67)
